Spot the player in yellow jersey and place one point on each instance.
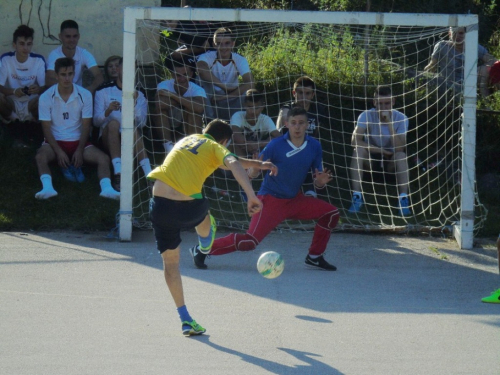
(178, 203)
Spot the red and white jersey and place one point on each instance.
(66, 117)
(83, 58)
(14, 74)
(110, 92)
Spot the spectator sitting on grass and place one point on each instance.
(108, 117)
(252, 130)
(448, 59)
(111, 68)
(22, 80)
(380, 136)
(69, 37)
(66, 115)
(219, 71)
(179, 104)
(304, 94)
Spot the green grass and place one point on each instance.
(77, 207)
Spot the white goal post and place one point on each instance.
(463, 229)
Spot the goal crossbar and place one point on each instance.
(463, 230)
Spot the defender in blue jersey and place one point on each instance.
(295, 154)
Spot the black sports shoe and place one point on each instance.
(320, 263)
(198, 258)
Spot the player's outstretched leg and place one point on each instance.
(205, 243)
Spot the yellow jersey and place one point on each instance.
(189, 163)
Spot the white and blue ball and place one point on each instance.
(270, 264)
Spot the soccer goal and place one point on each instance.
(347, 55)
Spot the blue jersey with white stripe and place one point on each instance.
(293, 165)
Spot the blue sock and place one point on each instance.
(205, 241)
(183, 314)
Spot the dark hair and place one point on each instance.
(107, 62)
(382, 91)
(296, 110)
(219, 130)
(178, 62)
(68, 24)
(23, 31)
(254, 96)
(64, 62)
(223, 32)
(304, 81)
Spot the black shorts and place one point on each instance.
(170, 217)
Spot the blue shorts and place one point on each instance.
(170, 217)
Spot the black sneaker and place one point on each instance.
(320, 263)
(198, 258)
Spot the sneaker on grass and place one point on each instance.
(319, 263)
(192, 328)
(198, 258)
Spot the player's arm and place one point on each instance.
(281, 122)
(321, 178)
(193, 104)
(98, 79)
(77, 158)
(358, 140)
(246, 84)
(206, 75)
(432, 65)
(100, 109)
(254, 166)
(254, 205)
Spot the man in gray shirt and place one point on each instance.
(380, 135)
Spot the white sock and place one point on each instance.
(47, 188)
(145, 165)
(107, 190)
(168, 146)
(117, 165)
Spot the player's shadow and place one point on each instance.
(312, 366)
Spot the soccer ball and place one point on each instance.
(270, 264)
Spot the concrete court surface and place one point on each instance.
(74, 303)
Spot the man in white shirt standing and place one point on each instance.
(380, 135)
(180, 103)
(219, 71)
(69, 37)
(22, 80)
(108, 117)
(66, 115)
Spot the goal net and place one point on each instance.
(347, 55)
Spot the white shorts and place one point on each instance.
(21, 111)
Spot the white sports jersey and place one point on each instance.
(377, 132)
(83, 58)
(226, 74)
(110, 92)
(14, 74)
(260, 131)
(66, 117)
(193, 90)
